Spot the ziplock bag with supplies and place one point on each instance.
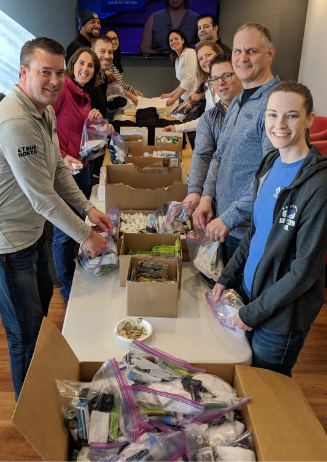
(208, 258)
(94, 139)
(122, 420)
(117, 149)
(228, 305)
(108, 260)
(183, 109)
(192, 240)
(171, 217)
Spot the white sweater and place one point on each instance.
(186, 72)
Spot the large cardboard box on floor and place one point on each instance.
(143, 242)
(283, 424)
(130, 187)
(157, 298)
(134, 155)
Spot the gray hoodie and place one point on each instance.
(33, 177)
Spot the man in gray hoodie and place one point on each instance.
(34, 185)
(242, 143)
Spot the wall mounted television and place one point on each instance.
(128, 18)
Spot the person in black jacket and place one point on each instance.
(282, 255)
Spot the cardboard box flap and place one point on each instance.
(279, 412)
(38, 412)
(135, 177)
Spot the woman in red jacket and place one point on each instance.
(72, 108)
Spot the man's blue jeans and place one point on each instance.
(63, 246)
(25, 292)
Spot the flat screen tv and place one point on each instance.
(128, 18)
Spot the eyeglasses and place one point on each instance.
(224, 78)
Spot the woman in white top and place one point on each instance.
(185, 66)
(205, 52)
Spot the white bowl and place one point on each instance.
(144, 323)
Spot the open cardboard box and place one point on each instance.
(129, 187)
(133, 140)
(143, 242)
(160, 132)
(120, 239)
(153, 298)
(283, 424)
(137, 158)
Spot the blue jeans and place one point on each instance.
(277, 352)
(25, 292)
(63, 246)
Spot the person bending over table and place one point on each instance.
(116, 69)
(282, 255)
(205, 52)
(72, 108)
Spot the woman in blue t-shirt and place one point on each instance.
(282, 255)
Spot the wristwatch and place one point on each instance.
(87, 208)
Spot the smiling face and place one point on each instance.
(105, 53)
(176, 42)
(205, 55)
(226, 90)
(115, 40)
(92, 28)
(250, 59)
(84, 68)
(43, 81)
(206, 31)
(286, 121)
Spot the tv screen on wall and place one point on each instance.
(143, 25)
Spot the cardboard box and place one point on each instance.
(283, 424)
(137, 156)
(134, 140)
(160, 132)
(153, 299)
(143, 131)
(143, 242)
(132, 212)
(129, 187)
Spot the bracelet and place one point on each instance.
(91, 206)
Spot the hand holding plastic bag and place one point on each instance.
(94, 139)
(208, 258)
(228, 305)
(170, 218)
(183, 109)
(117, 149)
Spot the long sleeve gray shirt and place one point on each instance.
(241, 146)
(207, 134)
(33, 177)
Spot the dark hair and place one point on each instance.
(300, 89)
(172, 54)
(186, 3)
(117, 53)
(104, 38)
(224, 57)
(265, 32)
(69, 72)
(211, 16)
(41, 43)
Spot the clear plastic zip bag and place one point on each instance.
(208, 258)
(94, 139)
(117, 149)
(228, 305)
(183, 109)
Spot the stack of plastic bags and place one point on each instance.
(153, 406)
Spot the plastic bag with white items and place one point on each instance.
(117, 149)
(228, 305)
(171, 217)
(192, 240)
(94, 140)
(200, 446)
(113, 90)
(156, 364)
(159, 446)
(208, 258)
(183, 109)
(114, 417)
(108, 260)
(88, 453)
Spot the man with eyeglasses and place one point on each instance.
(242, 143)
(227, 86)
(208, 30)
(90, 27)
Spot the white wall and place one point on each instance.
(313, 65)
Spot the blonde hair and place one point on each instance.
(201, 75)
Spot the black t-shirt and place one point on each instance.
(247, 93)
(79, 42)
(223, 46)
(98, 97)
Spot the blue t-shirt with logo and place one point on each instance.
(280, 176)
